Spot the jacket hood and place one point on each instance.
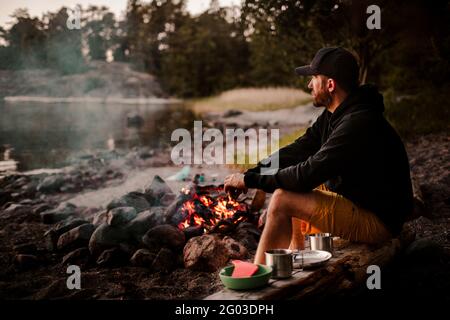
(369, 96)
(365, 97)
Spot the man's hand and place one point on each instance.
(234, 185)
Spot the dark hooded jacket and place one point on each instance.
(355, 152)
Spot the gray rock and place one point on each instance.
(51, 184)
(144, 221)
(235, 249)
(17, 209)
(62, 212)
(68, 187)
(87, 211)
(76, 238)
(67, 225)
(134, 120)
(424, 251)
(53, 217)
(167, 199)
(248, 235)
(231, 113)
(143, 258)
(136, 200)
(157, 189)
(145, 153)
(4, 197)
(27, 202)
(26, 248)
(248, 242)
(249, 228)
(112, 258)
(19, 213)
(51, 236)
(128, 247)
(20, 182)
(79, 257)
(106, 237)
(164, 235)
(41, 208)
(26, 261)
(165, 261)
(51, 240)
(121, 216)
(100, 218)
(205, 253)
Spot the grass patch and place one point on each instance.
(423, 113)
(284, 141)
(93, 83)
(251, 99)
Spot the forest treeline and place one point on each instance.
(256, 44)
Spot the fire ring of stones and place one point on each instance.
(201, 228)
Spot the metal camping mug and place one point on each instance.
(280, 260)
(321, 241)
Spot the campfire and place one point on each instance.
(201, 226)
(208, 209)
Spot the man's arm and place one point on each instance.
(330, 160)
(296, 152)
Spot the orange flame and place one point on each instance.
(221, 208)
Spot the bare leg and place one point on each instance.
(284, 205)
(298, 238)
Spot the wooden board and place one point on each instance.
(345, 271)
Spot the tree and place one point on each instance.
(25, 39)
(281, 38)
(63, 45)
(206, 54)
(99, 29)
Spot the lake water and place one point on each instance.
(44, 135)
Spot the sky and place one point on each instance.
(38, 7)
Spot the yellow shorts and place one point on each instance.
(342, 218)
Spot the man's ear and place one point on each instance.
(331, 85)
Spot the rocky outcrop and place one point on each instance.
(101, 80)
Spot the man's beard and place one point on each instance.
(322, 99)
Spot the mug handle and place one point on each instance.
(298, 253)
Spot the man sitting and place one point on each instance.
(347, 175)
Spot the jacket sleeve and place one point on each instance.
(330, 160)
(296, 152)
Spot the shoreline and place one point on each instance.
(48, 99)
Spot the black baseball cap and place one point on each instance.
(336, 63)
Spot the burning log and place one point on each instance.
(207, 207)
(222, 226)
(193, 231)
(173, 213)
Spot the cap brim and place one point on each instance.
(304, 71)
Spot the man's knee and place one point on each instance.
(279, 202)
(291, 204)
(279, 197)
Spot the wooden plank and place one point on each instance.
(345, 271)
